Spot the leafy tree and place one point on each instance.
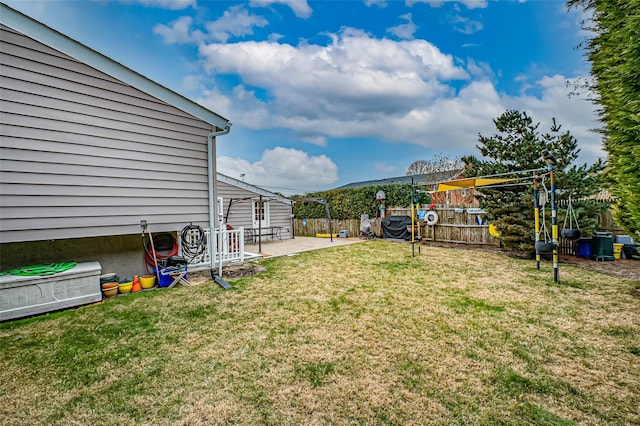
(517, 147)
(614, 53)
(439, 163)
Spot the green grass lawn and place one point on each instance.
(358, 334)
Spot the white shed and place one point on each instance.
(242, 207)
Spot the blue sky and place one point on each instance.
(323, 93)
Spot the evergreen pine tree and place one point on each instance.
(517, 147)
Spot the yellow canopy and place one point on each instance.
(469, 183)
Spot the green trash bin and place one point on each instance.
(602, 246)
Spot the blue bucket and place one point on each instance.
(166, 275)
(584, 248)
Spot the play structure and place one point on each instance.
(546, 237)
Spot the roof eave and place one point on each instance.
(252, 188)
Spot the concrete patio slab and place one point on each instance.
(297, 245)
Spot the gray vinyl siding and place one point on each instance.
(240, 213)
(84, 155)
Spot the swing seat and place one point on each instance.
(544, 247)
(570, 233)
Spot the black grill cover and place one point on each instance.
(395, 227)
(630, 251)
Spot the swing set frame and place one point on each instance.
(502, 180)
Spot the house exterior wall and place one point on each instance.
(124, 254)
(84, 155)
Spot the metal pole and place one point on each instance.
(536, 212)
(554, 225)
(413, 246)
(293, 222)
(260, 207)
(326, 206)
(418, 236)
(213, 202)
(220, 236)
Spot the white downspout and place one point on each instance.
(213, 192)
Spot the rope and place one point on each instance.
(543, 202)
(42, 269)
(571, 216)
(193, 243)
(543, 197)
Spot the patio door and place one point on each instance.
(260, 213)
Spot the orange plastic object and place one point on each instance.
(136, 285)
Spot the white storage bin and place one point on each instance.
(23, 296)
(624, 239)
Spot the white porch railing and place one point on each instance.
(232, 247)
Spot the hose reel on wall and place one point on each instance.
(193, 242)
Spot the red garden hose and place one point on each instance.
(151, 255)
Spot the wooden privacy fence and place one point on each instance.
(311, 227)
(455, 225)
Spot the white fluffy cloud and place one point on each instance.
(177, 32)
(354, 78)
(396, 91)
(299, 7)
(576, 114)
(465, 25)
(236, 21)
(384, 168)
(379, 3)
(404, 31)
(471, 4)
(283, 170)
(362, 87)
(169, 4)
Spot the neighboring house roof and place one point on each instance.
(386, 181)
(252, 188)
(428, 178)
(52, 38)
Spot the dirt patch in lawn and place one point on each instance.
(229, 272)
(246, 269)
